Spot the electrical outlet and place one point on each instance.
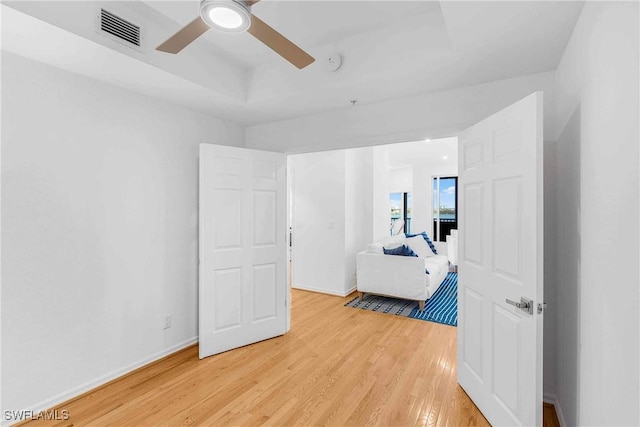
(167, 322)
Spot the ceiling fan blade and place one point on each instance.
(251, 2)
(279, 43)
(184, 37)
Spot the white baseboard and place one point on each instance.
(350, 290)
(553, 399)
(324, 291)
(74, 392)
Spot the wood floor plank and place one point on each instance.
(550, 416)
(337, 366)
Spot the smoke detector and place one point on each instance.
(334, 62)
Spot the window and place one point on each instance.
(445, 206)
(401, 209)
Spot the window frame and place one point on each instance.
(436, 203)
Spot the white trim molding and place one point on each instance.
(325, 291)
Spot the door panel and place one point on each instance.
(505, 363)
(226, 298)
(264, 292)
(243, 269)
(227, 229)
(472, 351)
(501, 229)
(474, 247)
(264, 218)
(507, 226)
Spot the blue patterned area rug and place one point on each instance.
(442, 307)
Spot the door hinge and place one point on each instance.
(541, 306)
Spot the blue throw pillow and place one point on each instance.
(403, 250)
(425, 236)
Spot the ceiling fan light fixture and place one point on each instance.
(226, 15)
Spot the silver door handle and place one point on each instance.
(525, 304)
(517, 304)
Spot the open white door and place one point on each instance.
(243, 269)
(501, 258)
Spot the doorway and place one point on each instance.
(501, 211)
(342, 200)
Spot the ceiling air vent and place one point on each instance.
(120, 29)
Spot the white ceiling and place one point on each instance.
(442, 152)
(390, 49)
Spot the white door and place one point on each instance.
(243, 294)
(501, 257)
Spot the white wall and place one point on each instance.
(381, 189)
(319, 221)
(99, 233)
(597, 218)
(332, 217)
(358, 208)
(412, 118)
(422, 198)
(400, 179)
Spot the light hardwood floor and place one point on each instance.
(337, 366)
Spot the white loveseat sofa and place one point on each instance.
(400, 276)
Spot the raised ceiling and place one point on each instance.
(390, 49)
(296, 19)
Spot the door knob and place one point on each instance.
(525, 304)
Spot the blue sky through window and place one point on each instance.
(448, 193)
(446, 206)
(396, 200)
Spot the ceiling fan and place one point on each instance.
(234, 16)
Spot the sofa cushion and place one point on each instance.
(391, 242)
(419, 246)
(403, 250)
(426, 238)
